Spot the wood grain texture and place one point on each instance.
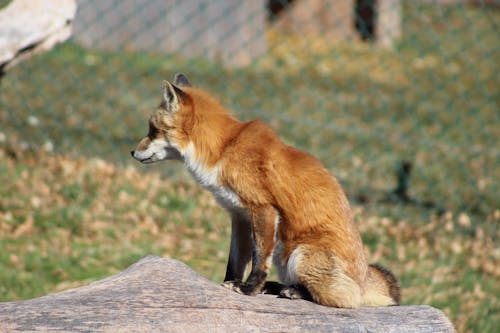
(160, 295)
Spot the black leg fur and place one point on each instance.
(273, 288)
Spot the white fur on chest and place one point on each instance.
(209, 179)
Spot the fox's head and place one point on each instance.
(167, 125)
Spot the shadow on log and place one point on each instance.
(163, 295)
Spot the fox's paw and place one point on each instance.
(291, 293)
(241, 287)
(234, 285)
(295, 292)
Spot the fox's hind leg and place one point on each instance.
(296, 292)
(273, 288)
(291, 292)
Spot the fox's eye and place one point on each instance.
(152, 130)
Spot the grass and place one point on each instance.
(74, 209)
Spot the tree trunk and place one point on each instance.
(163, 295)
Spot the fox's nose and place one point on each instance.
(132, 152)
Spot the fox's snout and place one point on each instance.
(155, 151)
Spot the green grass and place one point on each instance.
(73, 210)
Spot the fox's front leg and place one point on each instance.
(240, 250)
(263, 240)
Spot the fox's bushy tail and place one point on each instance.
(382, 287)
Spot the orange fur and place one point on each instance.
(282, 201)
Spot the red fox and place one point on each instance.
(285, 207)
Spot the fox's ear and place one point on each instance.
(181, 80)
(170, 98)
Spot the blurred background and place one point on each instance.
(399, 99)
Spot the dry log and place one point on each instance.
(160, 295)
(28, 27)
